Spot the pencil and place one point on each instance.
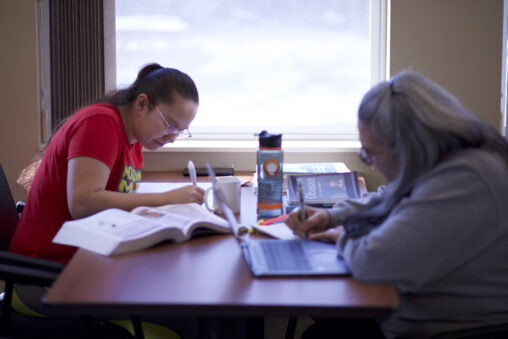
(192, 172)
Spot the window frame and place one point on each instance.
(239, 141)
(504, 75)
(70, 59)
(227, 149)
(44, 72)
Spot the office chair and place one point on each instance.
(21, 269)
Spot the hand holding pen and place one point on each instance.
(316, 221)
(307, 220)
(188, 193)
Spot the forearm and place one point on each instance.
(342, 210)
(87, 194)
(424, 236)
(94, 202)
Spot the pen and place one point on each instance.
(301, 210)
(192, 172)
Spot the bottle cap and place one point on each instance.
(269, 140)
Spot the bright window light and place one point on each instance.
(297, 67)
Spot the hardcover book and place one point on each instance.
(324, 188)
(306, 168)
(314, 167)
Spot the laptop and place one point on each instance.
(277, 257)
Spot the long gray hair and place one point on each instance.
(422, 123)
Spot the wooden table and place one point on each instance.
(206, 276)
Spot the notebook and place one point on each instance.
(276, 257)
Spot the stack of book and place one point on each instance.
(323, 189)
(324, 183)
(312, 168)
(306, 168)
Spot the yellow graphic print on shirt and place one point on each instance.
(130, 180)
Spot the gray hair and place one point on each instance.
(423, 123)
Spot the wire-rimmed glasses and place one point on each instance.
(183, 133)
(364, 155)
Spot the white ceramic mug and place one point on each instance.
(230, 187)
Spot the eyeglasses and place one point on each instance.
(170, 129)
(365, 156)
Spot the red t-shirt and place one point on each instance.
(95, 131)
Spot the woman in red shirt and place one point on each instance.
(95, 158)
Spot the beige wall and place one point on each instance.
(455, 42)
(18, 88)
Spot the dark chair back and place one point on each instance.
(8, 212)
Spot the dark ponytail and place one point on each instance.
(158, 83)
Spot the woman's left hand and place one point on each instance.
(186, 194)
(316, 221)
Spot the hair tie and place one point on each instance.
(156, 70)
(390, 82)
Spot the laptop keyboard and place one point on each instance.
(285, 255)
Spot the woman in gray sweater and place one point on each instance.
(438, 230)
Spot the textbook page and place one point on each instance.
(184, 216)
(159, 187)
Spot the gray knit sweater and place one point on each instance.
(444, 247)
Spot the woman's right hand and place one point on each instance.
(186, 194)
(317, 220)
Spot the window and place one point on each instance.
(297, 67)
(504, 75)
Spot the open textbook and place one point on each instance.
(114, 231)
